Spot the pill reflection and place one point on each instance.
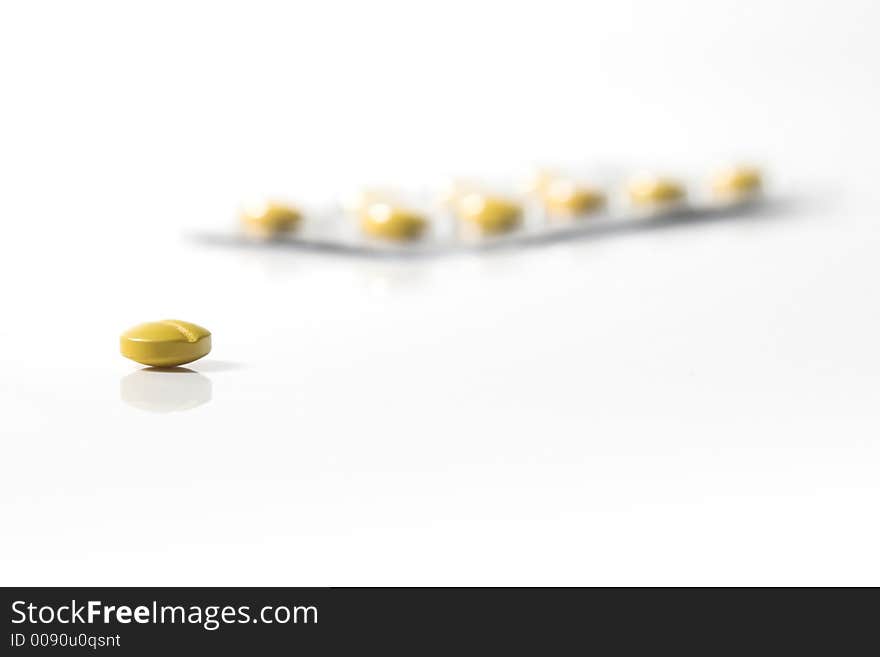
(165, 390)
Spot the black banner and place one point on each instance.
(151, 621)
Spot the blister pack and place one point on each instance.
(462, 215)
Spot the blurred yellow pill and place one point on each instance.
(268, 219)
(649, 191)
(566, 198)
(490, 214)
(166, 343)
(391, 222)
(736, 182)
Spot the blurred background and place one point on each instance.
(693, 405)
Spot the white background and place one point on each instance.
(692, 405)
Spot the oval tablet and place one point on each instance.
(391, 222)
(267, 219)
(736, 182)
(649, 191)
(166, 343)
(490, 214)
(563, 197)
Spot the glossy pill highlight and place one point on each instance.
(166, 343)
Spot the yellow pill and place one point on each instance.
(563, 197)
(655, 191)
(390, 222)
(267, 219)
(736, 182)
(167, 343)
(490, 214)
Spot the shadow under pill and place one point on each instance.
(165, 390)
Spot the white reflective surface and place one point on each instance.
(690, 405)
(165, 390)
